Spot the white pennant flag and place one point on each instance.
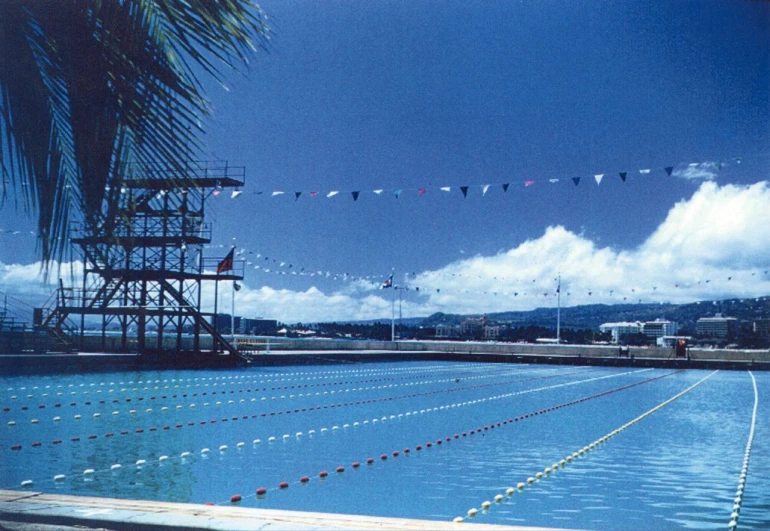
(378, 192)
(553, 180)
(599, 177)
(446, 188)
(235, 194)
(277, 192)
(332, 193)
(644, 172)
(484, 189)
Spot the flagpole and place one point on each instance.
(393, 307)
(232, 311)
(558, 311)
(215, 344)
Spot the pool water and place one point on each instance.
(463, 432)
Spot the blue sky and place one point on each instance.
(359, 96)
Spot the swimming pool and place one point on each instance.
(578, 447)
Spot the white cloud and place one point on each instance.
(698, 171)
(712, 246)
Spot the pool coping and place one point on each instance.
(32, 507)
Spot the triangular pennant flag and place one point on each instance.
(644, 172)
(464, 190)
(422, 191)
(623, 175)
(553, 181)
(296, 195)
(505, 187)
(599, 177)
(669, 169)
(378, 192)
(235, 193)
(484, 189)
(355, 195)
(332, 193)
(529, 183)
(216, 193)
(313, 194)
(576, 180)
(277, 192)
(397, 193)
(446, 188)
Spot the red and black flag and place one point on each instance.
(227, 262)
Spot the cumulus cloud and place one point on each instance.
(711, 246)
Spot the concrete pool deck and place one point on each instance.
(28, 510)
(331, 352)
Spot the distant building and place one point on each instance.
(224, 323)
(717, 327)
(660, 328)
(621, 329)
(761, 327)
(258, 327)
(473, 327)
(446, 331)
(491, 332)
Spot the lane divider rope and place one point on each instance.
(262, 491)
(239, 445)
(549, 470)
(738, 500)
(253, 416)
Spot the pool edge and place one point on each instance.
(30, 507)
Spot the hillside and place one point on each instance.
(593, 315)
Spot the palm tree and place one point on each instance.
(89, 88)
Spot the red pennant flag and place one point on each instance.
(227, 263)
(529, 183)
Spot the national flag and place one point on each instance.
(388, 283)
(227, 262)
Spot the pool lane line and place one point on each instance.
(223, 380)
(738, 500)
(17, 447)
(256, 442)
(225, 392)
(486, 505)
(384, 457)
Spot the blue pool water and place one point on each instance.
(676, 468)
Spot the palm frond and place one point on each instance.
(87, 89)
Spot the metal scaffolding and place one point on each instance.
(144, 266)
